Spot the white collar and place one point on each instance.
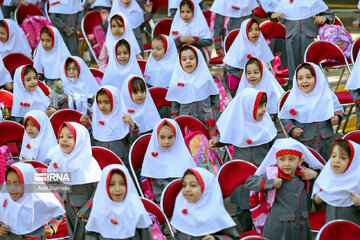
(65, 6)
(299, 9)
(233, 8)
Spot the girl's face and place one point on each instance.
(186, 13)
(166, 137)
(305, 80)
(66, 140)
(254, 32)
(3, 35)
(122, 55)
(30, 81)
(253, 74)
(139, 96)
(126, 3)
(289, 163)
(191, 188)
(188, 61)
(104, 104)
(117, 187)
(260, 112)
(339, 160)
(46, 41)
(72, 71)
(31, 129)
(117, 28)
(158, 50)
(13, 186)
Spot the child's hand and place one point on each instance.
(84, 119)
(127, 119)
(24, 2)
(212, 143)
(356, 24)
(317, 199)
(90, 1)
(208, 237)
(184, 39)
(296, 132)
(50, 111)
(4, 230)
(191, 39)
(48, 231)
(355, 198)
(277, 16)
(220, 52)
(308, 173)
(104, 15)
(320, 20)
(70, 32)
(83, 217)
(335, 120)
(8, 86)
(148, 7)
(139, 57)
(277, 182)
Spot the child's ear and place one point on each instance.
(300, 161)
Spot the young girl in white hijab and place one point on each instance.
(338, 184)
(199, 211)
(39, 137)
(13, 39)
(166, 151)
(118, 212)
(27, 212)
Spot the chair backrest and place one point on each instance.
(229, 39)
(6, 98)
(59, 117)
(353, 136)
(105, 157)
(355, 49)
(11, 134)
(191, 124)
(232, 174)
(260, 12)
(317, 155)
(162, 27)
(272, 30)
(14, 60)
(158, 4)
(24, 11)
(98, 74)
(320, 50)
(37, 164)
(253, 238)
(207, 15)
(89, 21)
(339, 230)
(158, 95)
(44, 88)
(282, 100)
(142, 64)
(168, 197)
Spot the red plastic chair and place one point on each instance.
(158, 4)
(98, 74)
(142, 64)
(168, 197)
(282, 100)
(162, 27)
(272, 30)
(317, 155)
(191, 124)
(260, 12)
(24, 11)
(339, 230)
(105, 157)
(44, 88)
(37, 165)
(59, 117)
(6, 98)
(90, 20)
(207, 15)
(136, 157)
(355, 49)
(14, 60)
(158, 95)
(353, 136)
(11, 134)
(152, 208)
(229, 39)
(252, 237)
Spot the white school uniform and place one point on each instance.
(171, 163)
(352, 83)
(133, 13)
(117, 219)
(65, 6)
(233, 8)
(4, 73)
(38, 147)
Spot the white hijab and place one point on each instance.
(242, 49)
(128, 35)
(191, 87)
(120, 219)
(50, 62)
(314, 106)
(4, 73)
(172, 162)
(34, 209)
(65, 6)
(283, 146)
(134, 12)
(158, 73)
(335, 189)
(101, 3)
(197, 26)
(238, 126)
(267, 84)
(208, 215)
(80, 162)
(79, 90)
(146, 114)
(174, 4)
(299, 9)
(110, 127)
(22, 97)
(352, 83)
(38, 147)
(234, 8)
(16, 42)
(1, 15)
(269, 5)
(115, 73)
